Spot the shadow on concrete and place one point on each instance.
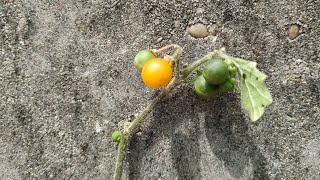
(176, 118)
(227, 133)
(168, 117)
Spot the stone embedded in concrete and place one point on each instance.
(198, 30)
(293, 31)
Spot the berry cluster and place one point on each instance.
(156, 72)
(215, 77)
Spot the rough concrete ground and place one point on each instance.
(67, 80)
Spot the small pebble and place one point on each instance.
(159, 39)
(177, 24)
(275, 166)
(199, 10)
(157, 22)
(293, 31)
(139, 133)
(198, 31)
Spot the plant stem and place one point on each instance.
(187, 71)
(215, 54)
(128, 131)
(120, 156)
(176, 56)
(149, 108)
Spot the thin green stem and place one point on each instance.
(128, 131)
(215, 54)
(187, 71)
(149, 108)
(120, 156)
(176, 56)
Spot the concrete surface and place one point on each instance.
(67, 80)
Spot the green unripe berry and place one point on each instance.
(116, 135)
(204, 89)
(215, 71)
(227, 86)
(232, 80)
(232, 71)
(141, 58)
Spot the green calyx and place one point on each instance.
(204, 89)
(215, 71)
(116, 135)
(141, 58)
(232, 71)
(227, 86)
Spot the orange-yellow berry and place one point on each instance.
(156, 73)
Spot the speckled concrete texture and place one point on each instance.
(67, 80)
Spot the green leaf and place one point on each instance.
(255, 95)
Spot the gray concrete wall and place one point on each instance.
(67, 80)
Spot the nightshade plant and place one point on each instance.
(215, 73)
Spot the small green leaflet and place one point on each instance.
(255, 95)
